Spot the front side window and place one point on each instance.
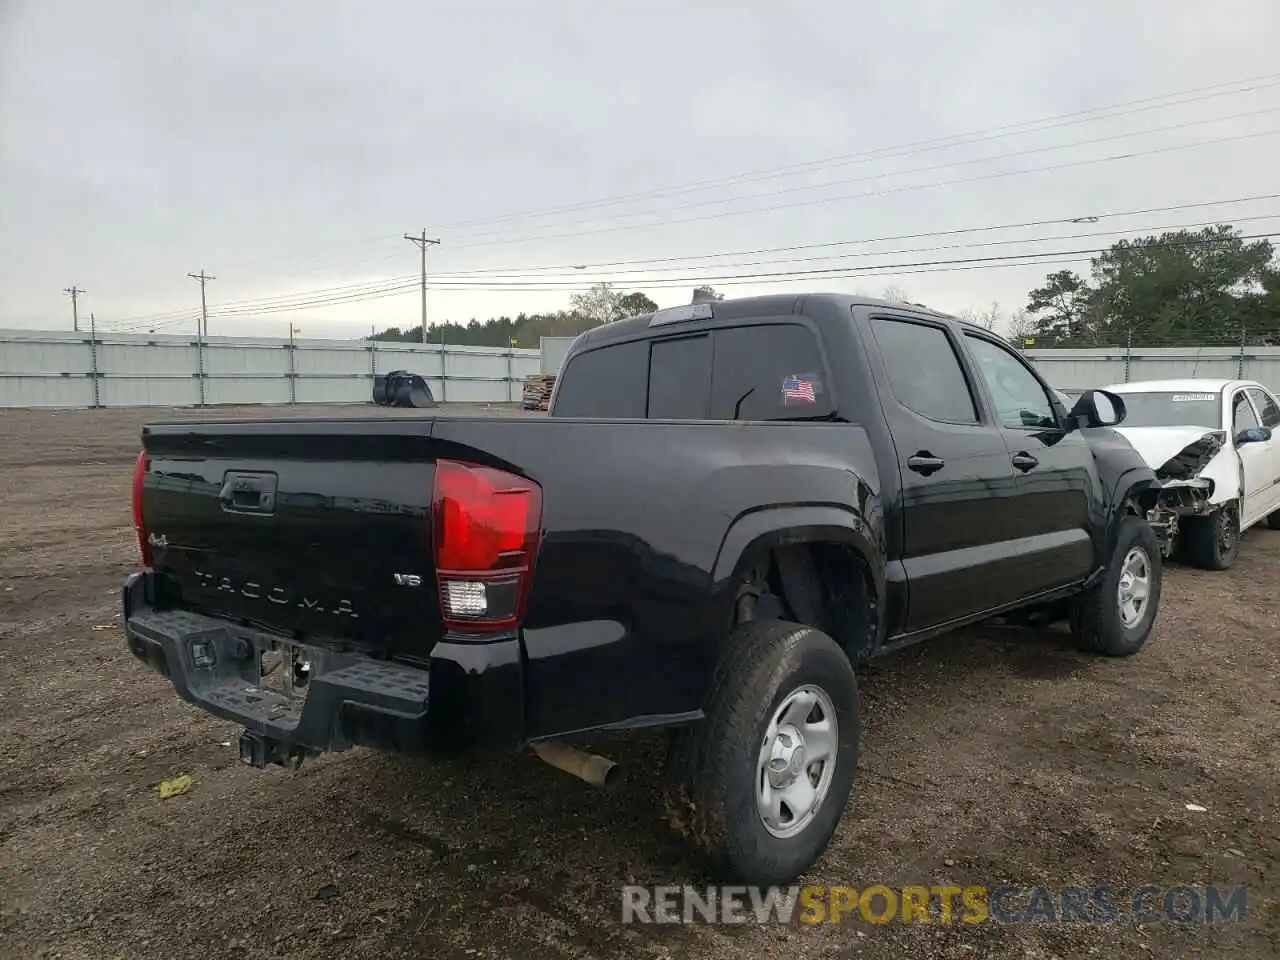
(1266, 406)
(1021, 400)
(1242, 415)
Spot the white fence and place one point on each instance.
(63, 369)
(1078, 368)
(41, 368)
(554, 350)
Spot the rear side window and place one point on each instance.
(608, 382)
(925, 375)
(768, 372)
(680, 378)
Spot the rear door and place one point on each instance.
(957, 541)
(1055, 469)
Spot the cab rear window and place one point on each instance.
(771, 371)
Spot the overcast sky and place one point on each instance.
(285, 147)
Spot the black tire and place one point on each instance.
(1273, 520)
(1097, 623)
(1212, 542)
(712, 771)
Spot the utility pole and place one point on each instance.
(75, 306)
(204, 308)
(422, 243)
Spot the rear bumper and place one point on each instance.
(469, 698)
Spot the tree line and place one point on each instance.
(600, 304)
(1206, 287)
(1212, 286)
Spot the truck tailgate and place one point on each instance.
(321, 532)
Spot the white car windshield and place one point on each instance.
(1186, 409)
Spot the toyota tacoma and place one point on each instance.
(729, 506)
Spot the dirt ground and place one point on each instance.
(994, 756)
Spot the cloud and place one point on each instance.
(287, 146)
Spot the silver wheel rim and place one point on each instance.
(1135, 586)
(797, 761)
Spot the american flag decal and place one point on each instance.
(797, 390)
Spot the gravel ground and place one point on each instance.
(993, 756)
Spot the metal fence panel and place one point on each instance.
(554, 350)
(1081, 368)
(70, 369)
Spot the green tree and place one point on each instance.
(600, 304)
(1061, 309)
(1182, 286)
(634, 304)
(1210, 286)
(706, 293)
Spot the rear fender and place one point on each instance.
(754, 535)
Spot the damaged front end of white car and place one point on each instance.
(1197, 475)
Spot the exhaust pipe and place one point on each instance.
(597, 771)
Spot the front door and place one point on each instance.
(1268, 411)
(1055, 469)
(1255, 461)
(957, 480)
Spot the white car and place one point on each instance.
(1210, 444)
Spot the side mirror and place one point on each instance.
(1253, 435)
(1098, 408)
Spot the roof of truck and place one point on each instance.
(763, 306)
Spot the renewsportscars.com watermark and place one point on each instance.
(1007, 904)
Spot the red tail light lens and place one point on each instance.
(139, 477)
(486, 526)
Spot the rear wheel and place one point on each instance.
(760, 785)
(1116, 615)
(1273, 520)
(1213, 542)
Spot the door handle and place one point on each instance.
(925, 463)
(1024, 461)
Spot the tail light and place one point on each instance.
(486, 525)
(139, 476)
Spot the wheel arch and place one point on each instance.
(821, 561)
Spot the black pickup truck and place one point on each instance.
(728, 507)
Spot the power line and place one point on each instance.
(394, 285)
(905, 188)
(1145, 104)
(422, 243)
(75, 292)
(1020, 259)
(1183, 97)
(374, 287)
(866, 240)
(446, 282)
(888, 270)
(836, 272)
